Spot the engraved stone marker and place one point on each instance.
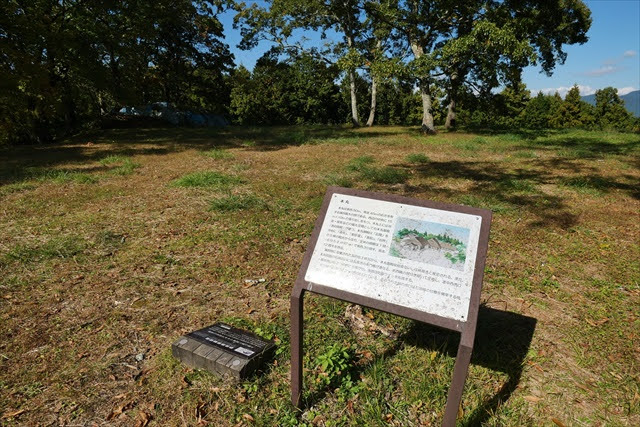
(224, 350)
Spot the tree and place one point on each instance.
(574, 112)
(484, 42)
(64, 63)
(282, 18)
(297, 90)
(610, 111)
(541, 112)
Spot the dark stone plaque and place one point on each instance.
(224, 350)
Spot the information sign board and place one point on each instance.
(415, 258)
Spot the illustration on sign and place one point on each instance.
(432, 243)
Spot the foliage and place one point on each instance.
(65, 64)
(610, 111)
(333, 367)
(298, 91)
(574, 112)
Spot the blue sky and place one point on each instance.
(609, 58)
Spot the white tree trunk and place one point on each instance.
(374, 94)
(425, 94)
(355, 120)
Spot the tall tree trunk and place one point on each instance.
(355, 120)
(450, 122)
(374, 88)
(425, 93)
(374, 94)
(427, 118)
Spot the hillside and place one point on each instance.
(631, 101)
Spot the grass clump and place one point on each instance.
(235, 202)
(418, 158)
(121, 165)
(209, 179)
(360, 163)
(594, 185)
(218, 154)
(62, 176)
(57, 247)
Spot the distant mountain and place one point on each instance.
(631, 101)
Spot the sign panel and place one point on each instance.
(412, 256)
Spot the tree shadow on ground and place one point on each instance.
(496, 187)
(502, 343)
(94, 146)
(582, 147)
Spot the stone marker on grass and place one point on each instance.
(224, 350)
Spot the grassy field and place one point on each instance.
(113, 245)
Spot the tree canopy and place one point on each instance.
(66, 64)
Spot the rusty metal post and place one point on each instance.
(297, 319)
(460, 371)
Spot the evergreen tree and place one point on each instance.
(610, 111)
(574, 112)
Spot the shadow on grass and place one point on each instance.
(502, 342)
(499, 189)
(92, 147)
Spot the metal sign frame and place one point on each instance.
(466, 328)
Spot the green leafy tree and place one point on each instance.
(295, 91)
(65, 63)
(541, 112)
(610, 111)
(278, 22)
(574, 112)
(483, 42)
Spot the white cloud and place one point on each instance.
(629, 53)
(626, 90)
(607, 69)
(562, 90)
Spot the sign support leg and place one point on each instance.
(457, 384)
(297, 320)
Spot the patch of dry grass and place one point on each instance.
(97, 278)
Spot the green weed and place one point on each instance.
(586, 185)
(360, 163)
(212, 180)
(112, 159)
(417, 158)
(525, 154)
(61, 176)
(333, 367)
(121, 165)
(385, 175)
(57, 247)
